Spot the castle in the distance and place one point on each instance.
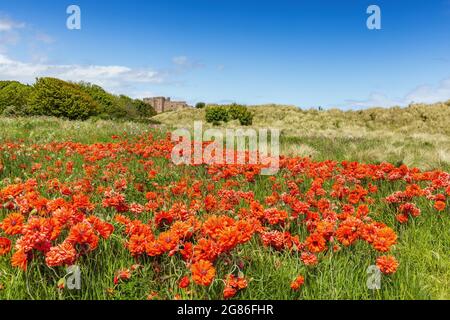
(163, 104)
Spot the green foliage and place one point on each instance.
(216, 114)
(241, 113)
(13, 98)
(246, 118)
(144, 109)
(75, 101)
(117, 107)
(225, 113)
(200, 105)
(54, 97)
(105, 100)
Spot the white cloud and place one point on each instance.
(9, 35)
(45, 38)
(421, 94)
(110, 77)
(430, 94)
(7, 24)
(184, 62)
(181, 60)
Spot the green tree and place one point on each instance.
(13, 97)
(200, 105)
(58, 98)
(104, 99)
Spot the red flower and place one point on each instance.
(297, 283)
(122, 275)
(229, 292)
(83, 234)
(20, 260)
(387, 264)
(439, 205)
(13, 224)
(384, 239)
(5, 246)
(308, 259)
(64, 254)
(316, 243)
(184, 282)
(203, 272)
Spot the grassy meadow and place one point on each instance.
(418, 136)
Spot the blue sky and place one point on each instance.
(305, 53)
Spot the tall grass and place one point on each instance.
(424, 271)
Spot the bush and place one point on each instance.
(58, 98)
(241, 113)
(216, 114)
(144, 109)
(13, 97)
(200, 105)
(246, 118)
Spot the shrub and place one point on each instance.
(246, 118)
(216, 114)
(58, 98)
(144, 109)
(13, 96)
(241, 113)
(200, 105)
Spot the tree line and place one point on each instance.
(71, 100)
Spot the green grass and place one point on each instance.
(422, 251)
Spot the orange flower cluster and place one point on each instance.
(297, 283)
(199, 218)
(387, 264)
(233, 284)
(38, 225)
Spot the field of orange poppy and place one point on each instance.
(105, 198)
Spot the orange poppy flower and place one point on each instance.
(439, 205)
(316, 243)
(297, 283)
(384, 239)
(184, 282)
(387, 264)
(122, 275)
(20, 260)
(203, 272)
(13, 224)
(5, 246)
(64, 254)
(309, 259)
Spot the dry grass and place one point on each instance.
(418, 135)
